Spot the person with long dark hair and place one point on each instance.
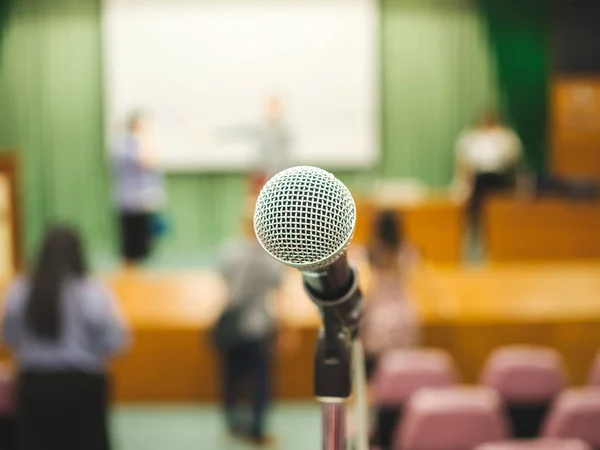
(62, 327)
(390, 319)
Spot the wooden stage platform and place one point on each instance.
(468, 311)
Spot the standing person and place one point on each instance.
(245, 332)
(486, 158)
(273, 141)
(139, 188)
(63, 327)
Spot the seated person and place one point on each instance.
(390, 320)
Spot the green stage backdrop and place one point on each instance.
(442, 62)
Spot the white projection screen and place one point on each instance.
(203, 67)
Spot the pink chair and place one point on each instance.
(537, 444)
(595, 372)
(527, 378)
(451, 418)
(399, 374)
(402, 372)
(576, 414)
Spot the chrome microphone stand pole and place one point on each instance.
(361, 405)
(334, 408)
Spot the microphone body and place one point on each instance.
(329, 283)
(336, 289)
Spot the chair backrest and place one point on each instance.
(537, 444)
(576, 414)
(595, 372)
(451, 418)
(400, 373)
(525, 374)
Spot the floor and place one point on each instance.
(296, 427)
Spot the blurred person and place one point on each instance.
(245, 331)
(272, 138)
(487, 157)
(139, 188)
(390, 319)
(62, 327)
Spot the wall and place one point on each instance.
(437, 72)
(577, 37)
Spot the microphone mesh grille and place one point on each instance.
(305, 217)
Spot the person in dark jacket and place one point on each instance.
(252, 278)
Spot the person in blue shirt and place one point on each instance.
(139, 187)
(62, 327)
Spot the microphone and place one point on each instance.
(305, 218)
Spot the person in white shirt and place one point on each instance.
(486, 158)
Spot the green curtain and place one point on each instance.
(438, 75)
(5, 8)
(519, 35)
(51, 111)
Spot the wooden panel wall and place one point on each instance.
(576, 127)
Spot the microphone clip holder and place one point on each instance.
(332, 362)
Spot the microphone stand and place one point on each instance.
(334, 363)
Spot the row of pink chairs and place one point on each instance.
(465, 417)
(420, 406)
